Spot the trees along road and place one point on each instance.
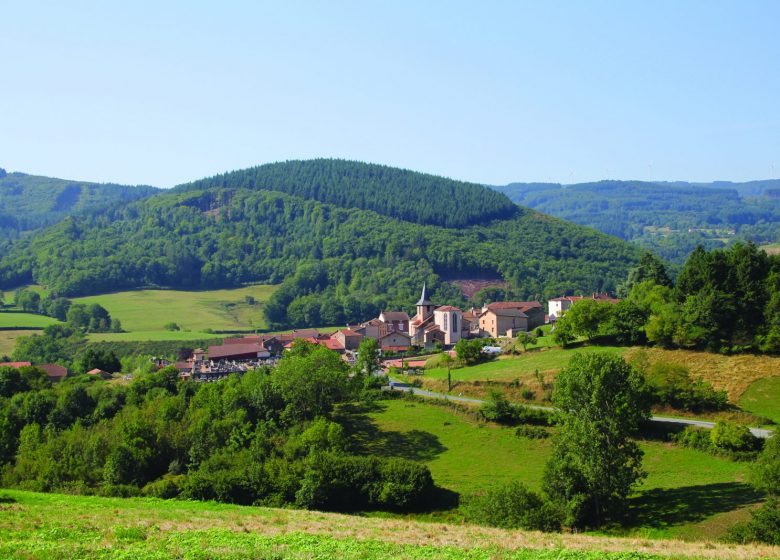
(398, 386)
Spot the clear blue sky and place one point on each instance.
(494, 92)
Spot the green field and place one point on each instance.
(13, 320)
(507, 368)
(140, 336)
(763, 398)
(687, 494)
(43, 526)
(8, 340)
(221, 310)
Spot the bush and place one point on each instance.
(763, 527)
(532, 432)
(513, 506)
(171, 326)
(164, 488)
(352, 483)
(671, 385)
(734, 437)
(528, 395)
(498, 409)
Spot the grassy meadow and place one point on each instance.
(13, 320)
(221, 310)
(763, 398)
(42, 526)
(687, 494)
(8, 340)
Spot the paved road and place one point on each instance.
(395, 385)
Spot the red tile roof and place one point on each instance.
(228, 350)
(513, 305)
(97, 371)
(15, 365)
(54, 370)
(350, 332)
(447, 308)
(395, 315)
(332, 344)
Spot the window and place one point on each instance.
(445, 321)
(454, 323)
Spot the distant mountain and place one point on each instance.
(670, 218)
(30, 202)
(345, 239)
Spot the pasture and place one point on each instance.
(762, 398)
(220, 310)
(13, 320)
(687, 494)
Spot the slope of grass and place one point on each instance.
(8, 340)
(43, 526)
(13, 320)
(763, 398)
(687, 494)
(150, 310)
(507, 368)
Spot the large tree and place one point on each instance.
(595, 464)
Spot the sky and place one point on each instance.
(493, 92)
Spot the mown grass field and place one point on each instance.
(43, 526)
(687, 494)
(8, 340)
(149, 310)
(13, 320)
(763, 398)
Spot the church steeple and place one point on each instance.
(425, 306)
(424, 297)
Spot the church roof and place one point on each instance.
(424, 296)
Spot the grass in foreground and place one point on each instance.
(42, 526)
(150, 310)
(688, 494)
(763, 398)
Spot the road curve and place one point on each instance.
(396, 386)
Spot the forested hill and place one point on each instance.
(397, 193)
(335, 264)
(29, 202)
(669, 218)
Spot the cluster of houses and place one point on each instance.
(394, 331)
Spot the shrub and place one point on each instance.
(164, 488)
(763, 527)
(513, 506)
(351, 483)
(528, 395)
(532, 432)
(671, 385)
(498, 409)
(733, 437)
(171, 326)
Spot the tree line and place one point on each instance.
(87, 318)
(726, 300)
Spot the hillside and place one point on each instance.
(670, 218)
(361, 260)
(396, 193)
(30, 202)
(39, 526)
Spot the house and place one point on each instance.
(349, 339)
(558, 306)
(238, 352)
(393, 321)
(395, 342)
(272, 343)
(99, 373)
(499, 318)
(369, 329)
(54, 372)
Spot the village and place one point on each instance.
(432, 327)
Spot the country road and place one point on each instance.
(397, 386)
